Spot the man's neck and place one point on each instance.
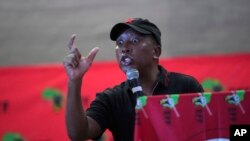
(148, 79)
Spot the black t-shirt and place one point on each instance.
(114, 108)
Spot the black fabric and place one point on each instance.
(143, 26)
(113, 108)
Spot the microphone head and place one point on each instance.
(132, 73)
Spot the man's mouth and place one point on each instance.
(126, 61)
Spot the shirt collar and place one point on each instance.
(162, 78)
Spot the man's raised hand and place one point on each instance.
(75, 64)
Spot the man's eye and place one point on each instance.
(119, 43)
(135, 41)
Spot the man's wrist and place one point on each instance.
(75, 82)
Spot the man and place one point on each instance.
(138, 46)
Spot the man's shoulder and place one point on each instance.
(115, 89)
(177, 76)
(114, 94)
(190, 83)
(183, 76)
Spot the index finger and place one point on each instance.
(72, 42)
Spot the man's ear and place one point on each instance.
(156, 52)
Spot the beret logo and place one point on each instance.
(130, 20)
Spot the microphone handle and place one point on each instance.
(136, 87)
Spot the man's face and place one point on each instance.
(134, 50)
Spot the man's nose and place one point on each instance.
(126, 49)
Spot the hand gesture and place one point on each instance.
(75, 64)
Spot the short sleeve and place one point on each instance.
(99, 110)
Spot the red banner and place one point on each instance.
(191, 117)
(32, 99)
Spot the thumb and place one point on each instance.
(92, 54)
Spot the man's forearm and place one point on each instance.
(76, 120)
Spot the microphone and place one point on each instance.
(132, 76)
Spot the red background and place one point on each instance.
(34, 118)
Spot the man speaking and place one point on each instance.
(138, 46)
